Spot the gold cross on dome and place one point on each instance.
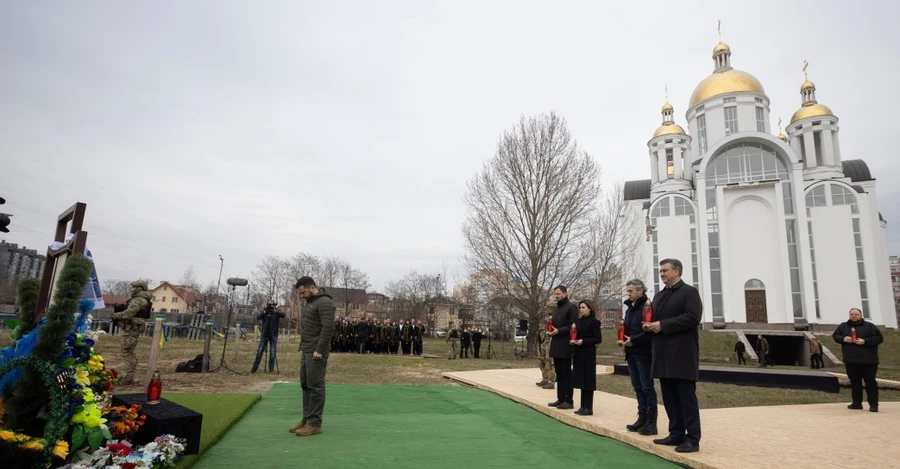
(720, 30)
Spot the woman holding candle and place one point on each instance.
(638, 356)
(584, 337)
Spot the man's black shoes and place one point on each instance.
(687, 447)
(669, 441)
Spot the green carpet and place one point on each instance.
(220, 412)
(421, 427)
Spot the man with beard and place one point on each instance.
(563, 317)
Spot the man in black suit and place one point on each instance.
(563, 316)
(465, 341)
(362, 336)
(677, 312)
(418, 334)
(476, 342)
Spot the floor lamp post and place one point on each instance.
(221, 265)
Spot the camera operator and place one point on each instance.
(269, 334)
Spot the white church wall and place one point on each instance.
(644, 253)
(675, 242)
(878, 275)
(836, 271)
(751, 241)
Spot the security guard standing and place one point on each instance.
(131, 321)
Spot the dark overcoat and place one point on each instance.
(563, 316)
(584, 372)
(676, 349)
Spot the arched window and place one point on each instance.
(754, 284)
(744, 162)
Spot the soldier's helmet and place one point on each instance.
(140, 284)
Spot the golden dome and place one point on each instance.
(721, 47)
(807, 85)
(728, 81)
(669, 128)
(667, 107)
(811, 111)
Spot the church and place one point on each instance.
(772, 229)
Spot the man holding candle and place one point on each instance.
(636, 343)
(562, 319)
(677, 311)
(859, 341)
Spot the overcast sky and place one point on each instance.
(194, 129)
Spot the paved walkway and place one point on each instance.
(797, 436)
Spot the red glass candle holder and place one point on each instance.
(648, 313)
(154, 389)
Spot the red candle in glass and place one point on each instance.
(622, 333)
(648, 313)
(154, 389)
(573, 333)
(550, 325)
(853, 333)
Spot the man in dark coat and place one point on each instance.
(362, 336)
(269, 335)
(316, 327)
(476, 342)
(563, 316)
(465, 341)
(762, 350)
(639, 359)
(739, 349)
(859, 341)
(677, 312)
(418, 334)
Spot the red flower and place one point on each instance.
(128, 465)
(120, 449)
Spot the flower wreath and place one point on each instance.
(57, 423)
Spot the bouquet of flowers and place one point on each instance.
(164, 451)
(124, 421)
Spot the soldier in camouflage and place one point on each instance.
(548, 374)
(452, 342)
(132, 327)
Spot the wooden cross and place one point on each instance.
(57, 258)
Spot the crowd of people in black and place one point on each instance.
(387, 337)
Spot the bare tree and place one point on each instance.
(329, 271)
(529, 212)
(268, 277)
(412, 294)
(613, 246)
(116, 287)
(189, 280)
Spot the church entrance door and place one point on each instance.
(755, 301)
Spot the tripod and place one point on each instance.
(490, 349)
(237, 334)
(268, 348)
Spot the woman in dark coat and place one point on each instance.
(584, 373)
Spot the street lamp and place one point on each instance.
(221, 265)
